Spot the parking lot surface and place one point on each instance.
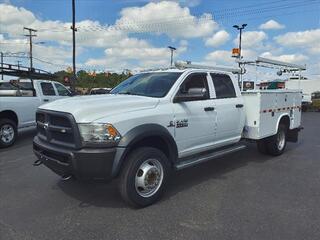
(242, 196)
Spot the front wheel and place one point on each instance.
(144, 176)
(8, 132)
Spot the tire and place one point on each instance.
(139, 165)
(8, 132)
(277, 143)
(262, 146)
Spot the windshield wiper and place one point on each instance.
(130, 93)
(127, 93)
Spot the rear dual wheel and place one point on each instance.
(276, 144)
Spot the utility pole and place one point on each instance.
(30, 35)
(171, 58)
(18, 64)
(74, 29)
(1, 54)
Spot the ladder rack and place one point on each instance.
(270, 63)
(184, 65)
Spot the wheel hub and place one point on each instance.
(6, 133)
(281, 140)
(149, 178)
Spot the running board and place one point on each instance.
(207, 157)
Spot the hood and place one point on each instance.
(87, 109)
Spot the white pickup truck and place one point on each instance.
(19, 102)
(159, 121)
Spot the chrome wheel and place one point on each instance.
(6, 133)
(281, 139)
(149, 178)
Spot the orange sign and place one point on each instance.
(235, 52)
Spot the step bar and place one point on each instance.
(210, 156)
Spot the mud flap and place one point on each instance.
(292, 135)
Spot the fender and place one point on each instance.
(139, 133)
(279, 119)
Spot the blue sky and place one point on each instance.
(114, 35)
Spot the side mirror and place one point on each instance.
(192, 95)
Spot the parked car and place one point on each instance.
(95, 91)
(19, 101)
(158, 121)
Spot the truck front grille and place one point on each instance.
(58, 128)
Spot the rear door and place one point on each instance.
(194, 121)
(48, 92)
(229, 109)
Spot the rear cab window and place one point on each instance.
(47, 89)
(223, 85)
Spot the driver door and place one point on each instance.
(194, 120)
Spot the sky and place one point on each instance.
(134, 34)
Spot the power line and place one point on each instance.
(161, 25)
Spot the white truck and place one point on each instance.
(19, 100)
(159, 121)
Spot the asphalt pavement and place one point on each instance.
(242, 196)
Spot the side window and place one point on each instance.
(47, 89)
(223, 86)
(195, 80)
(62, 91)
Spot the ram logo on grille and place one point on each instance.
(46, 125)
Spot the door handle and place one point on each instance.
(239, 105)
(46, 100)
(209, 109)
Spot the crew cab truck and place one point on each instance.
(159, 121)
(19, 100)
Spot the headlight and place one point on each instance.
(99, 133)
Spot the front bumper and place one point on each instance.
(84, 164)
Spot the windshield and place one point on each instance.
(148, 84)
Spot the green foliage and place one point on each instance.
(101, 80)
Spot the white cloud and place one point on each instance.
(251, 39)
(220, 57)
(309, 40)
(218, 39)
(271, 25)
(139, 50)
(168, 18)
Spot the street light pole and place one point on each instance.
(240, 56)
(240, 40)
(171, 57)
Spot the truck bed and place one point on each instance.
(265, 108)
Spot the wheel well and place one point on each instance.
(9, 115)
(285, 120)
(155, 142)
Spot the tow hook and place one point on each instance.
(37, 163)
(66, 177)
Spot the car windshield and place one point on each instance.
(148, 84)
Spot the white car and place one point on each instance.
(159, 121)
(19, 102)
